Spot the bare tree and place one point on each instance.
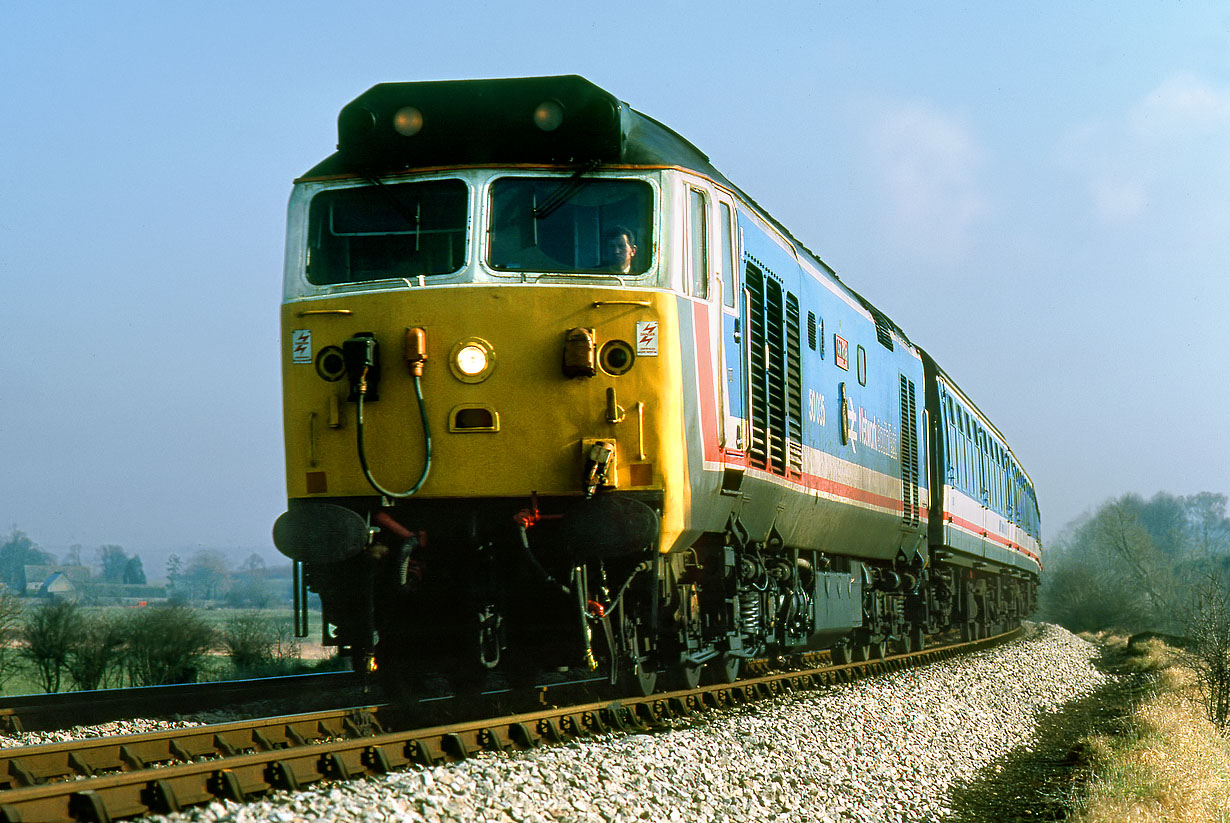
(1132, 563)
(10, 630)
(1208, 652)
(166, 644)
(207, 574)
(48, 634)
(96, 653)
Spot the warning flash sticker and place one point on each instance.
(647, 338)
(301, 346)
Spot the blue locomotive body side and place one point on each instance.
(827, 405)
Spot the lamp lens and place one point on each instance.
(471, 360)
(408, 121)
(549, 115)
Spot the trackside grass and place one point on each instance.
(1165, 761)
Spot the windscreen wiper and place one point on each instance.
(414, 218)
(564, 192)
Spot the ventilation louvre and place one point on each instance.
(909, 455)
(775, 341)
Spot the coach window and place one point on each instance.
(982, 464)
(969, 452)
(698, 235)
(960, 449)
(993, 471)
(1003, 479)
(950, 430)
(862, 366)
(727, 255)
(1016, 496)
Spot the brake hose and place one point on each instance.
(367, 472)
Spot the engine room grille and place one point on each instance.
(883, 328)
(794, 388)
(757, 353)
(909, 454)
(775, 381)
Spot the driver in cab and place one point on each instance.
(618, 250)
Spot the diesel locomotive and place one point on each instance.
(561, 401)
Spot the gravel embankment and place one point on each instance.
(886, 749)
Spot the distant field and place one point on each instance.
(21, 679)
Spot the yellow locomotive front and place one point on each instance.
(481, 377)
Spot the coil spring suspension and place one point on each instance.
(749, 613)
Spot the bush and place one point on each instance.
(166, 644)
(97, 651)
(48, 635)
(258, 644)
(1208, 649)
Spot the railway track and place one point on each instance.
(40, 712)
(119, 777)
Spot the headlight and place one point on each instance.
(472, 360)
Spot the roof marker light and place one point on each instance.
(549, 115)
(408, 121)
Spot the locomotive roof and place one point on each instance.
(395, 127)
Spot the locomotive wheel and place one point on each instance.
(723, 669)
(685, 675)
(840, 654)
(860, 651)
(639, 681)
(879, 650)
(917, 638)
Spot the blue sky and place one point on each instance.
(1038, 193)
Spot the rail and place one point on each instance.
(39, 712)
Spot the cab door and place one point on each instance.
(733, 376)
(702, 287)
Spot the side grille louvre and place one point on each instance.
(757, 376)
(794, 388)
(909, 454)
(775, 360)
(883, 328)
(775, 371)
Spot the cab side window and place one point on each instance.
(727, 252)
(699, 242)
